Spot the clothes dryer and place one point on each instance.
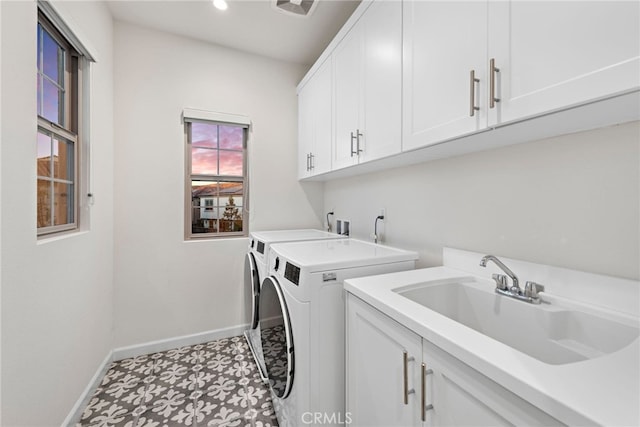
(302, 323)
(255, 270)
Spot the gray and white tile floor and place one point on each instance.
(212, 384)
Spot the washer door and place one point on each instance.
(251, 290)
(277, 337)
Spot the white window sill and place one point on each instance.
(45, 239)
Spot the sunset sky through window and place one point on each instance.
(216, 149)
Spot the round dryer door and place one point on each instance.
(251, 290)
(277, 337)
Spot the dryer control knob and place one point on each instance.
(252, 243)
(276, 265)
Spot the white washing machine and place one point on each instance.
(255, 270)
(302, 323)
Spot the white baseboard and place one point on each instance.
(76, 412)
(138, 350)
(175, 342)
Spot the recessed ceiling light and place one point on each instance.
(220, 4)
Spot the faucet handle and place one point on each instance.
(501, 281)
(531, 289)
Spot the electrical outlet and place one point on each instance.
(343, 227)
(383, 213)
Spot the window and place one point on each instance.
(216, 179)
(59, 111)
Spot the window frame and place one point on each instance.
(70, 129)
(189, 177)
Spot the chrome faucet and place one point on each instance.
(501, 282)
(531, 289)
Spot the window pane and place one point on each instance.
(204, 213)
(231, 163)
(62, 203)
(39, 95)
(204, 135)
(52, 58)
(44, 154)
(231, 206)
(52, 102)
(39, 55)
(231, 137)
(44, 203)
(63, 164)
(204, 161)
(203, 225)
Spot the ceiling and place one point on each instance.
(248, 25)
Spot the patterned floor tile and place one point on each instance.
(114, 402)
(241, 366)
(172, 373)
(172, 409)
(211, 384)
(224, 345)
(111, 414)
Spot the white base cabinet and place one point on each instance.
(440, 389)
(375, 388)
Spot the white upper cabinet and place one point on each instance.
(454, 77)
(557, 54)
(529, 58)
(348, 94)
(367, 87)
(445, 42)
(314, 123)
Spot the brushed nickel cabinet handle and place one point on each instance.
(312, 165)
(492, 83)
(423, 399)
(353, 137)
(358, 135)
(472, 94)
(405, 362)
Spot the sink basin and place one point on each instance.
(551, 334)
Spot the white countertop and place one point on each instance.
(604, 390)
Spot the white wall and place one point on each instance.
(571, 201)
(57, 297)
(167, 287)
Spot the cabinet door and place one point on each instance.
(444, 42)
(347, 62)
(375, 368)
(556, 54)
(461, 396)
(323, 135)
(305, 129)
(314, 123)
(381, 80)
